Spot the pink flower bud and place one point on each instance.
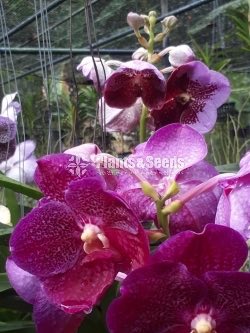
(135, 21)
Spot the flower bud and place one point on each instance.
(168, 23)
(181, 55)
(135, 21)
(140, 54)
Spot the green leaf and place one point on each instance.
(232, 167)
(5, 232)
(18, 187)
(12, 204)
(4, 282)
(15, 325)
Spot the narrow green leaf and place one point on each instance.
(15, 325)
(12, 204)
(4, 282)
(18, 187)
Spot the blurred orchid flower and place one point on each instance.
(87, 66)
(119, 120)
(8, 119)
(21, 166)
(10, 108)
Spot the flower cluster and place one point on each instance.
(93, 226)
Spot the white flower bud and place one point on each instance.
(180, 55)
(140, 54)
(168, 23)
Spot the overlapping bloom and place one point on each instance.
(47, 316)
(193, 95)
(192, 285)
(135, 79)
(234, 205)
(97, 72)
(21, 166)
(165, 157)
(8, 118)
(79, 237)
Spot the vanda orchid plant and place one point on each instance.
(156, 242)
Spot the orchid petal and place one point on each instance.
(54, 173)
(80, 288)
(47, 240)
(156, 298)
(173, 142)
(217, 248)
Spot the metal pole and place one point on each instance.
(125, 33)
(76, 51)
(177, 11)
(61, 22)
(31, 19)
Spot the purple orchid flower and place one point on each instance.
(89, 71)
(8, 118)
(47, 316)
(234, 205)
(193, 95)
(79, 237)
(21, 166)
(174, 152)
(135, 79)
(193, 286)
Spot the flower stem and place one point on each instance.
(143, 124)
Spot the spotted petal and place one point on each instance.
(80, 288)
(156, 298)
(217, 248)
(56, 171)
(178, 143)
(132, 80)
(47, 240)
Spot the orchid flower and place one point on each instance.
(79, 237)
(234, 205)
(193, 95)
(47, 316)
(8, 118)
(89, 71)
(135, 79)
(192, 285)
(173, 153)
(21, 166)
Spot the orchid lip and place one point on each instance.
(93, 238)
(203, 323)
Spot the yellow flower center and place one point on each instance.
(203, 323)
(93, 238)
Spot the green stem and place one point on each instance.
(163, 220)
(143, 124)
(152, 22)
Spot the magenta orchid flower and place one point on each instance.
(234, 205)
(193, 286)
(135, 79)
(89, 71)
(79, 237)
(47, 316)
(165, 157)
(193, 95)
(21, 166)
